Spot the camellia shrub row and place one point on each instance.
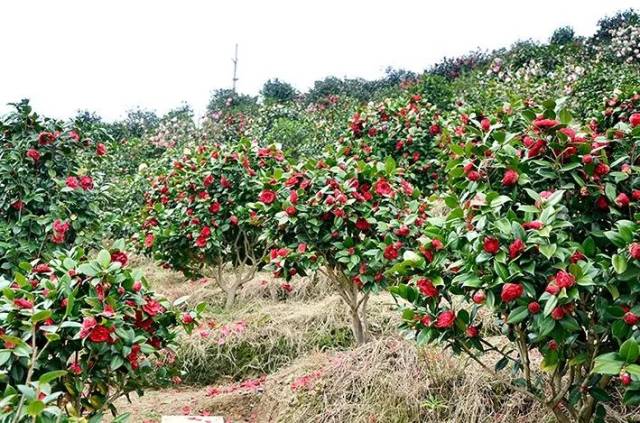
(78, 333)
(543, 233)
(48, 199)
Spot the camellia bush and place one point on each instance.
(47, 199)
(404, 128)
(78, 333)
(543, 235)
(348, 219)
(197, 218)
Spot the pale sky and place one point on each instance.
(112, 55)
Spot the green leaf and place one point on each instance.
(518, 314)
(104, 258)
(389, 165)
(550, 305)
(607, 365)
(49, 376)
(35, 408)
(116, 362)
(629, 350)
(41, 315)
(565, 116)
(548, 250)
(619, 263)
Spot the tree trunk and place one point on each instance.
(357, 327)
(231, 297)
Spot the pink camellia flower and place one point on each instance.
(267, 196)
(565, 279)
(445, 320)
(33, 154)
(302, 248)
(634, 119)
(187, 318)
(511, 292)
(74, 135)
(233, 220)
(552, 288)
(86, 182)
(485, 124)
(491, 245)
(426, 288)
(383, 188)
(510, 178)
(101, 149)
(72, 182)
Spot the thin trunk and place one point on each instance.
(231, 297)
(358, 328)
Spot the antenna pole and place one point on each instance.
(235, 69)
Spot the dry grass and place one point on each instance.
(272, 334)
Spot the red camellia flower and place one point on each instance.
(577, 256)
(152, 307)
(390, 252)
(602, 203)
(101, 149)
(100, 334)
(75, 368)
(267, 196)
(72, 182)
(187, 318)
(208, 180)
(634, 119)
(485, 124)
(479, 297)
(426, 288)
(148, 240)
(362, 224)
(534, 307)
(214, 207)
(634, 250)
(601, 169)
(86, 182)
(510, 178)
(45, 138)
(491, 245)
(473, 176)
(445, 320)
(233, 220)
(137, 286)
(545, 123)
(511, 292)
(23, 303)
(534, 224)
(552, 288)
(558, 313)
(33, 154)
(383, 188)
(225, 183)
(42, 268)
(516, 248)
(622, 200)
(625, 378)
(565, 279)
(472, 331)
(630, 318)
(120, 257)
